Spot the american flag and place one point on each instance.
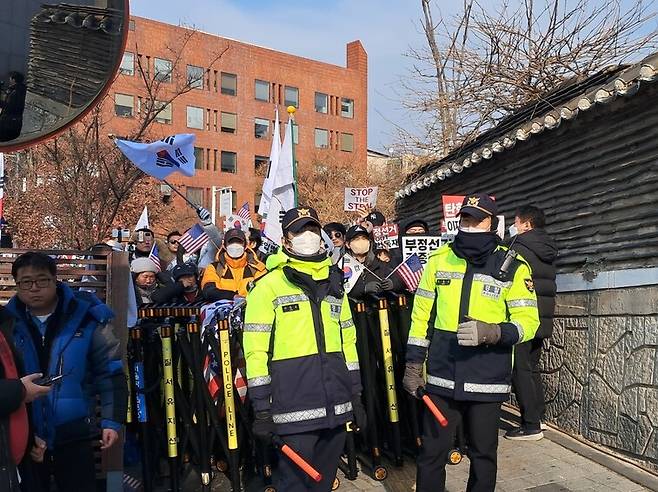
(154, 256)
(244, 213)
(212, 375)
(410, 272)
(194, 239)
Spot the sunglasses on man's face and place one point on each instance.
(173, 241)
(336, 235)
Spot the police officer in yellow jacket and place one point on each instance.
(485, 305)
(300, 349)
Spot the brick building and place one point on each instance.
(231, 107)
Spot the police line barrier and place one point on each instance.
(178, 420)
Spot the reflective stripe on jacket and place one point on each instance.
(301, 356)
(481, 373)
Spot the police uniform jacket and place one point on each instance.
(461, 290)
(300, 346)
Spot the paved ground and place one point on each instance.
(542, 466)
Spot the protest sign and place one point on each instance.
(386, 236)
(357, 199)
(451, 206)
(420, 245)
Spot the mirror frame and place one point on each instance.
(103, 92)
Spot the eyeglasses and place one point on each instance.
(173, 241)
(336, 235)
(41, 283)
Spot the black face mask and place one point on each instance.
(475, 247)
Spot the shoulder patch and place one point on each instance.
(529, 284)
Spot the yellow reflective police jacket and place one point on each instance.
(462, 290)
(300, 346)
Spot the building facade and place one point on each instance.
(586, 154)
(232, 90)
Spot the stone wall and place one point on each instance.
(601, 370)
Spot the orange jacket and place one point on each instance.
(228, 277)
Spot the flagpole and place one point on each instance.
(191, 204)
(291, 111)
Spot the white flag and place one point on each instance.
(143, 222)
(283, 192)
(268, 184)
(352, 270)
(160, 159)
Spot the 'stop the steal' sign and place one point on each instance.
(357, 199)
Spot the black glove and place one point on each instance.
(263, 426)
(413, 378)
(360, 419)
(204, 215)
(373, 288)
(387, 284)
(474, 332)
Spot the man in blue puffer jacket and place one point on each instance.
(61, 331)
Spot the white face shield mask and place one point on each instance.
(513, 231)
(235, 250)
(307, 243)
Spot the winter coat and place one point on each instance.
(228, 277)
(78, 340)
(13, 393)
(540, 251)
(375, 267)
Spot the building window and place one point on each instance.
(163, 112)
(229, 162)
(229, 122)
(262, 90)
(128, 64)
(347, 107)
(347, 142)
(321, 138)
(260, 163)
(124, 105)
(195, 77)
(131, 25)
(229, 84)
(195, 117)
(261, 127)
(321, 102)
(291, 96)
(198, 158)
(195, 195)
(162, 70)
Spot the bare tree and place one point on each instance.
(80, 181)
(490, 60)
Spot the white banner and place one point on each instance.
(352, 270)
(357, 199)
(420, 245)
(225, 202)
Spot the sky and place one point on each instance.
(318, 30)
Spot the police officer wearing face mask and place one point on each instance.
(485, 305)
(300, 348)
(235, 269)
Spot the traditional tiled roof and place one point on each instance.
(545, 114)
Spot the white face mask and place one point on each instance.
(513, 231)
(307, 243)
(235, 250)
(360, 246)
(471, 229)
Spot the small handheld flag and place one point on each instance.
(159, 159)
(194, 239)
(244, 213)
(153, 256)
(410, 272)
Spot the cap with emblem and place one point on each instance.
(356, 230)
(376, 218)
(297, 218)
(479, 205)
(235, 235)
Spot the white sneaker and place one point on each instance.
(543, 426)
